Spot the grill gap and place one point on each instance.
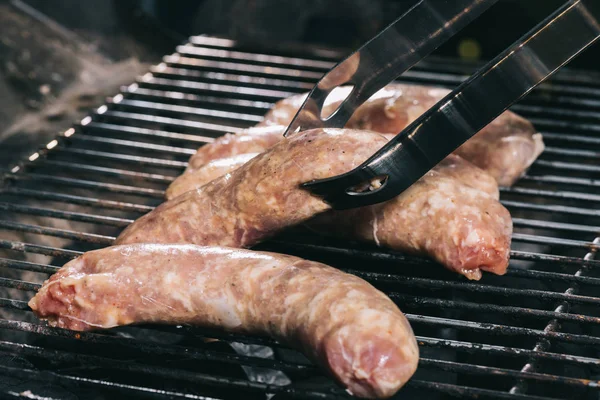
(115, 165)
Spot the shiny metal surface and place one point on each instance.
(469, 108)
(533, 333)
(394, 50)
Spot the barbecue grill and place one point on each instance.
(531, 334)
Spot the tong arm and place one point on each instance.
(418, 32)
(468, 109)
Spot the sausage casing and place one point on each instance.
(338, 320)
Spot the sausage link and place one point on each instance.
(259, 199)
(452, 214)
(505, 148)
(195, 179)
(462, 226)
(338, 320)
(251, 140)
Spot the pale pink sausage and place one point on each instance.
(505, 148)
(260, 199)
(338, 320)
(452, 214)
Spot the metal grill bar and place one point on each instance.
(109, 171)
(122, 189)
(120, 129)
(590, 183)
(86, 201)
(553, 325)
(214, 356)
(210, 88)
(37, 249)
(124, 157)
(200, 126)
(164, 70)
(86, 237)
(28, 266)
(46, 212)
(192, 111)
(136, 145)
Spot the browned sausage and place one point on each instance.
(338, 320)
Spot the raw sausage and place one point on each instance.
(505, 148)
(251, 140)
(261, 198)
(197, 178)
(338, 320)
(452, 214)
(462, 226)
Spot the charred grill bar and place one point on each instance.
(533, 333)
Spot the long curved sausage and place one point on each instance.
(338, 320)
(458, 168)
(194, 179)
(505, 148)
(260, 199)
(452, 214)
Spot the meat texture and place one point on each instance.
(251, 140)
(259, 199)
(197, 178)
(452, 214)
(338, 320)
(462, 171)
(505, 148)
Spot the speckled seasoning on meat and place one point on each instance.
(505, 148)
(251, 140)
(261, 198)
(338, 320)
(197, 178)
(452, 214)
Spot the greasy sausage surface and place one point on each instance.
(452, 214)
(461, 171)
(505, 148)
(194, 179)
(462, 226)
(259, 199)
(338, 320)
(251, 140)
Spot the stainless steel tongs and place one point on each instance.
(459, 115)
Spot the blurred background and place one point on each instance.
(58, 58)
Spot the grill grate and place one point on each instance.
(533, 333)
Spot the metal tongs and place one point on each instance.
(459, 115)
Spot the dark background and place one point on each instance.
(58, 58)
